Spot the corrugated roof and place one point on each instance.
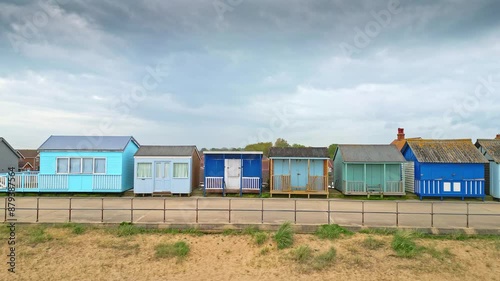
(11, 148)
(446, 151)
(166, 150)
(370, 153)
(87, 143)
(492, 147)
(302, 152)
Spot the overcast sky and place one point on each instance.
(225, 73)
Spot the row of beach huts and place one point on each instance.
(115, 164)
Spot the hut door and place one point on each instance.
(162, 177)
(299, 174)
(232, 173)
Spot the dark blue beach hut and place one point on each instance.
(446, 168)
(233, 172)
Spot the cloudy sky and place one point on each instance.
(225, 73)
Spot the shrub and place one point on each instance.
(284, 236)
(302, 254)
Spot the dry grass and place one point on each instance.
(96, 254)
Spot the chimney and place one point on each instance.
(401, 134)
(498, 137)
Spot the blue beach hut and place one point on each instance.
(87, 164)
(233, 172)
(446, 168)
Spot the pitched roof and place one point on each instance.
(28, 153)
(445, 151)
(11, 148)
(302, 152)
(370, 153)
(87, 143)
(166, 150)
(492, 147)
(401, 143)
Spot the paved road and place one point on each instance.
(256, 211)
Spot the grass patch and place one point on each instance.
(439, 254)
(228, 232)
(171, 250)
(284, 236)
(404, 245)
(265, 195)
(302, 254)
(76, 228)
(37, 235)
(128, 229)
(251, 230)
(260, 238)
(332, 232)
(307, 260)
(379, 231)
(372, 243)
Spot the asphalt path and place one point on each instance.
(411, 213)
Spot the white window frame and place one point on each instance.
(67, 161)
(152, 172)
(92, 158)
(69, 166)
(173, 170)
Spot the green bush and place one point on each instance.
(284, 236)
(168, 250)
(332, 231)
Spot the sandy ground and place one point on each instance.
(100, 255)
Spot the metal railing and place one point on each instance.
(259, 211)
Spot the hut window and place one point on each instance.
(75, 165)
(181, 170)
(87, 165)
(144, 170)
(99, 165)
(62, 165)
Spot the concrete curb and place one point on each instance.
(298, 228)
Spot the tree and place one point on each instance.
(261, 146)
(298, 145)
(281, 143)
(331, 150)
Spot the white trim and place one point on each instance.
(27, 163)
(232, 152)
(162, 157)
(67, 159)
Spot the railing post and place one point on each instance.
(467, 214)
(295, 211)
(397, 214)
(229, 209)
(131, 210)
(164, 210)
(432, 214)
(37, 208)
(363, 213)
(69, 215)
(197, 206)
(102, 209)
